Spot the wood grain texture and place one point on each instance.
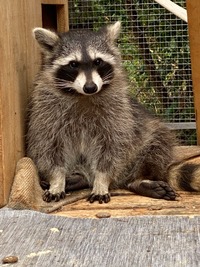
(1, 164)
(32, 20)
(132, 205)
(140, 241)
(193, 10)
(20, 61)
(12, 80)
(54, 2)
(62, 18)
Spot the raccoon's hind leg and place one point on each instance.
(154, 189)
(149, 175)
(56, 189)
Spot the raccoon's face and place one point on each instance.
(86, 76)
(80, 61)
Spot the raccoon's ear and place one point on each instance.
(46, 38)
(113, 30)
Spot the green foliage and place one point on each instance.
(150, 33)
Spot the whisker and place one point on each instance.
(60, 80)
(106, 79)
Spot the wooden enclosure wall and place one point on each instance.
(19, 57)
(193, 10)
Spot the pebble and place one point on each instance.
(10, 259)
(103, 215)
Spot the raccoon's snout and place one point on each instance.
(90, 88)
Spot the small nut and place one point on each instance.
(10, 259)
(103, 215)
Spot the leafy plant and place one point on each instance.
(156, 54)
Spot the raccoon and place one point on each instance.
(82, 120)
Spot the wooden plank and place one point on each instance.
(18, 57)
(181, 125)
(1, 159)
(62, 17)
(132, 205)
(54, 2)
(11, 80)
(32, 20)
(193, 9)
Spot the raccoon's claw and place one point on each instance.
(48, 196)
(101, 198)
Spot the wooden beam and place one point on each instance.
(54, 2)
(174, 8)
(193, 9)
(62, 18)
(181, 125)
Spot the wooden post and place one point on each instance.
(19, 59)
(193, 9)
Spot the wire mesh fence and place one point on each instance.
(155, 51)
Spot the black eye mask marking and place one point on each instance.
(105, 70)
(68, 72)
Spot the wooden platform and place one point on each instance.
(131, 205)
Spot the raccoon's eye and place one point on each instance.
(98, 61)
(74, 64)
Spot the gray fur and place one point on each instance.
(107, 137)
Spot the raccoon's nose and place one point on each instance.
(90, 88)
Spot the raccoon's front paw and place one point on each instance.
(101, 198)
(48, 196)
